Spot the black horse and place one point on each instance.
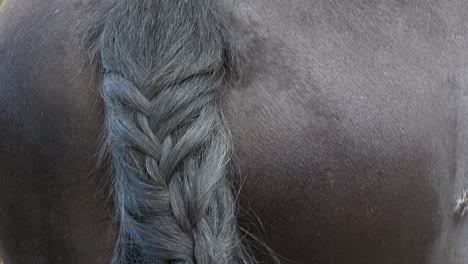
(346, 121)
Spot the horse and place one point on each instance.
(203, 131)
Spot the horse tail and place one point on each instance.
(164, 65)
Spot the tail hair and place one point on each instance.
(164, 65)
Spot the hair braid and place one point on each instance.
(163, 68)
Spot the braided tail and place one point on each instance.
(164, 63)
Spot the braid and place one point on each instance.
(164, 63)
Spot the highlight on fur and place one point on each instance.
(164, 66)
(461, 204)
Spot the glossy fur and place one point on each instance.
(348, 124)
